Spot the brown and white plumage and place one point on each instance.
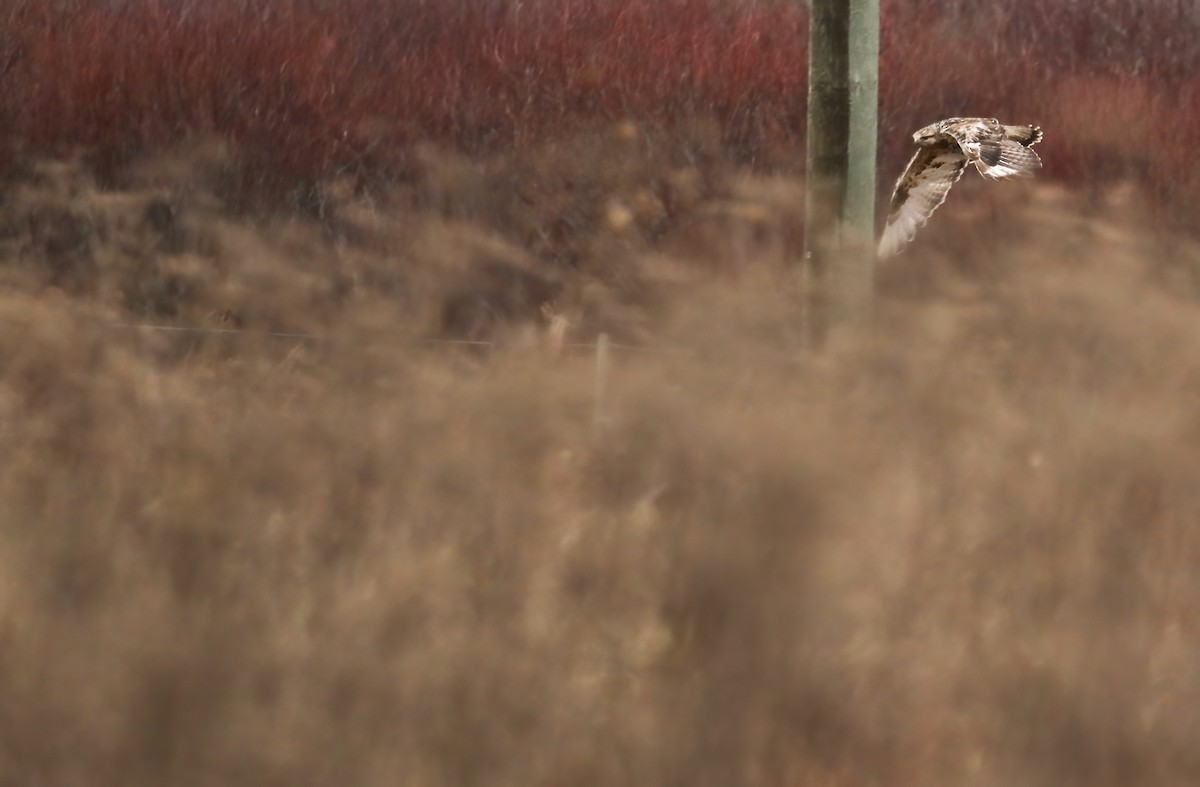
(945, 149)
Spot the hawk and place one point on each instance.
(946, 147)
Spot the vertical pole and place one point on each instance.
(826, 157)
(843, 57)
(856, 274)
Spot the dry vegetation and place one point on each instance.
(309, 89)
(310, 545)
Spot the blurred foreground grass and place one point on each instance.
(960, 552)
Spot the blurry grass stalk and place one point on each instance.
(599, 417)
(843, 71)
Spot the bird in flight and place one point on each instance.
(945, 148)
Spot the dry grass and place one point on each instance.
(960, 551)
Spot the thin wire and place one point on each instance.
(212, 331)
(311, 337)
(317, 338)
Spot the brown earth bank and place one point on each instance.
(300, 542)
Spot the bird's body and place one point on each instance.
(945, 149)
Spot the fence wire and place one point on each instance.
(317, 338)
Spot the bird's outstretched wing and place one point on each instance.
(1007, 159)
(922, 187)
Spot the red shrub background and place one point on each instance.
(307, 87)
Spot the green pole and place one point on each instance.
(856, 279)
(843, 67)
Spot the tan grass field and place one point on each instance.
(961, 550)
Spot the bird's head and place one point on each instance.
(928, 135)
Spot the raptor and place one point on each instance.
(944, 150)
